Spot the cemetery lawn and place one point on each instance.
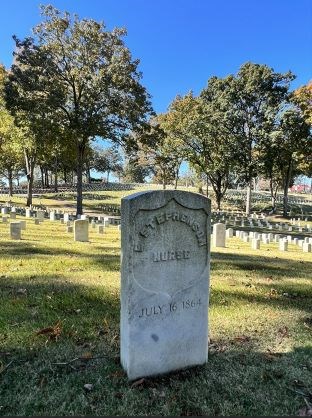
(59, 331)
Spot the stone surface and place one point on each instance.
(218, 235)
(165, 259)
(4, 219)
(255, 244)
(283, 245)
(28, 213)
(229, 233)
(40, 215)
(13, 215)
(15, 230)
(81, 230)
(101, 229)
(23, 225)
(69, 229)
(52, 216)
(306, 247)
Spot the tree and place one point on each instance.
(107, 160)
(199, 124)
(294, 144)
(84, 77)
(257, 93)
(303, 98)
(10, 137)
(157, 152)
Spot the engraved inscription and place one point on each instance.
(176, 217)
(175, 238)
(170, 255)
(152, 311)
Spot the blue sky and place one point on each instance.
(181, 43)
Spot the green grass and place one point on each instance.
(260, 319)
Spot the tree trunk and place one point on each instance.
(10, 179)
(273, 196)
(65, 176)
(207, 186)
(30, 163)
(55, 182)
(286, 186)
(108, 171)
(176, 178)
(248, 197)
(42, 176)
(80, 157)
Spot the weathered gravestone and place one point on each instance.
(81, 230)
(165, 259)
(15, 230)
(218, 236)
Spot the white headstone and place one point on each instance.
(229, 233)
(165, 258)
(23, 225)
(28, 213)
(15, 230)
(13, 215)
(81, 230)
(283, 245)
(40, 215)
(255, 244)
(4, 210)
(306, 247)
(52, 216)
(218, 235)
(101, 229)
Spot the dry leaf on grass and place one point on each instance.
(53, 332)
(138, 383)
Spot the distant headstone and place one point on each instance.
(164, 281)
(101, 229)
(15, 230)
(40, 215)
(66, 217)
(306, 247)
(81, 230)
(69, 229)
(4, 210)
(255, 244)
(36, 221)
(28, 213)
(23, 225)
(283, 245)
(52, 216)
(229, 233)
(218, 235)
(4, 219)
(13, 215)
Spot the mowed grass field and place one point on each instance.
(59, 331)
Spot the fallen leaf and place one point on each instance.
(283, 332)
(53, 332)
(138, 382)
(242, 338)
(86, 356)
(88, 387)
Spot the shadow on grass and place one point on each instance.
(109, 262)
(279, 267)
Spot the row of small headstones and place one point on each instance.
(80, 228)
(220, 233)
(100, 222)
(263, 223)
